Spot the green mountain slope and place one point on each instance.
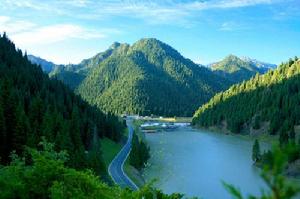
(269, 101)
(149, 77)
(46, 66)
(69, 78)
(32, 106)
(73, 74)
(236, 69)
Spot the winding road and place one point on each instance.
(115, 168)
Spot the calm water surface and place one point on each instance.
(195, 162)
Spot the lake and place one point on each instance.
(195, 162)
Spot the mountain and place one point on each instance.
(73, 74)
(34, 108)
(47, 66)
(149, 77)
(238, 69)
(87, 64)
(70, 78)
(267, 103)
(262, 66)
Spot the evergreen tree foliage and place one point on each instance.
(273, 97)
(257, 120)
(256, 155)
(33, 106)
(139, 154)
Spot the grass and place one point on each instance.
(152, 127)
(134, 174)
(109, 150)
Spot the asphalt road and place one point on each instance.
(115, 168)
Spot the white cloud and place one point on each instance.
(233, 26)
(28, 4)
(241, 3)
(78, 3)
(55, 33)
(44, 40)
(155, 11)
(25, 33)
(11, 27)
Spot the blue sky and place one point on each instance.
(67, 31)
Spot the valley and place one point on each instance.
(138, 99)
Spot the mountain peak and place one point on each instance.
(115, 45)
(150, 43)
(232, 63)
(232, 57)
(149, 40)
(240, 68)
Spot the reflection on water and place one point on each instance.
(195, 162)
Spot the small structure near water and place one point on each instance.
(152, 127)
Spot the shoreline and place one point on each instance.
(269, 139)
(263, 137)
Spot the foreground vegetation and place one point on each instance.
(43, 174)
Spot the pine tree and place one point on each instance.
(21, 130)
(9, 110)
(256, 155)
(48, 126)
(256, 124)
(3, 137)
(78, 160)
(283, 138)
(94, 159)
(292, 135)
(134, 158)
(36, 112)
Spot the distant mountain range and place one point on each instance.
(150, 77)
(263, 66)
(238, 69)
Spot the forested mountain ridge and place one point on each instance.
(239, 69)
(271, 99)
(149, 77)
(72, 74)
(33, 106)
(47, 66)
(87, 64)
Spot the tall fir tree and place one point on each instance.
(256, 154)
